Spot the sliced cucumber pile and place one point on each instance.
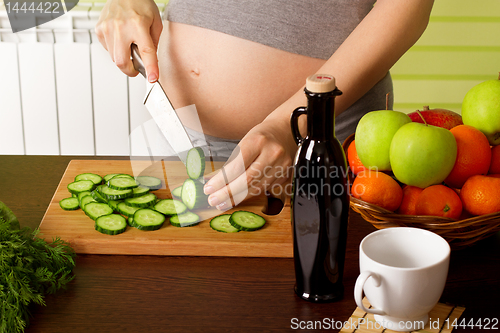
(117, 200)
(110, 203)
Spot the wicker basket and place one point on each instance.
(458, 233)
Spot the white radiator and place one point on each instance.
(60, 93)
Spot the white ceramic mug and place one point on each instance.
(403, 273)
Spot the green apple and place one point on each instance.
(481, 109)
(422, 155)
(374, 135)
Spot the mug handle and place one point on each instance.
(358, 291)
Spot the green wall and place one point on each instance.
(459, 49)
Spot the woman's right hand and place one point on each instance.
(123, 22)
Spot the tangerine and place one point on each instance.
(377, 188)
(473, 155)
(495, 160)
(439, 200)
(354, 162)
(481, 195)
(409, 202)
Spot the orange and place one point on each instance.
(495, 160)
(353, 159)
(481, 195)
(439, 200)
(409, 203)
(377, 188)
(473, 155)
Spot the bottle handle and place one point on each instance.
(358, 291)
(294, 123)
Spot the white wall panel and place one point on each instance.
(74, 98)
(38, 92)
(11, 135)
(111, 116)
(139, 115)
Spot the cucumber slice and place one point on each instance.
(98, 196)
(192, 194)
(122, 183)
(121, 175)
(109, 176)
(150, 182)
(96, 179)
(70, 203)
(130, 219)
(195, 163)
(221, 223)
(81, 186)
(112, 224)
(246, 221)
(139, 190)
(85, 200)
(114, 204)
(187, 219)
(170, 207)
(176, 192)
(147, 219)
(126, 210)
(111, 194)
(83, 194)
(142, 201)
(97, 209)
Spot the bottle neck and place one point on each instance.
(321, 114)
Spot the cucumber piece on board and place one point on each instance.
(70, 203)
(147, 219)
(112, 224)
(246, 221)
(221, 223)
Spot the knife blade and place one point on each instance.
(163, 113)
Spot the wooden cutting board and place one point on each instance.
(273, 240)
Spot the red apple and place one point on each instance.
(437, 117)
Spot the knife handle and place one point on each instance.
(137, 60)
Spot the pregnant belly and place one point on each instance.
(234, 83)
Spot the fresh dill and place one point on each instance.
(30, 268)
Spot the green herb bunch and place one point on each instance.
(29, 269)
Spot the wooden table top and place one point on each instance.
(210, 294)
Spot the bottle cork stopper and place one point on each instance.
(320, 83)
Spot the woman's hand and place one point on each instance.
(262, 160)
(123, 22)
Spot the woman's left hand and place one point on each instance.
(262, 160)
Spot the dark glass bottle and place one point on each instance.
(320, 201)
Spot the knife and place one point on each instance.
(163, 113)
